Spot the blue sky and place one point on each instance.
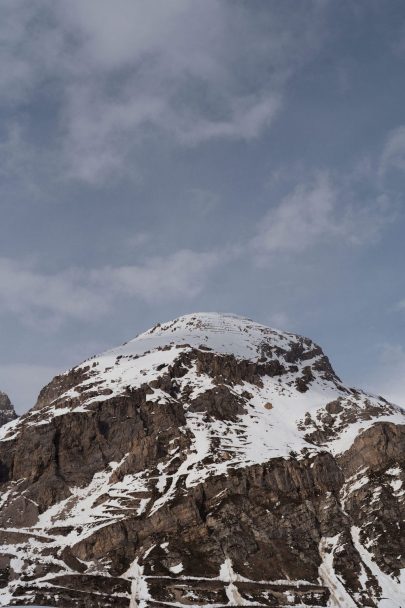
(173, 156)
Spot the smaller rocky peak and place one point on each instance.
(7, 412)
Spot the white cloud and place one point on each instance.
(318, 212)
(195, 71)
(37, 297)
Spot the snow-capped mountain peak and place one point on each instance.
(241, 436)
(224, 333)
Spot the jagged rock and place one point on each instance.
(209, 461)
(7, 412)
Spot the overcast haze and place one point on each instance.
(164, 157)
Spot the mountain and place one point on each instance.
(7, 412)
(211, 461)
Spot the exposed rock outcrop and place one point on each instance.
(7, 412)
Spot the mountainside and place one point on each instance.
(211, 461)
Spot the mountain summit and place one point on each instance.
(211, 461)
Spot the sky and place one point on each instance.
(164, 157)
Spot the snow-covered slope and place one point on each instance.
(175, 426)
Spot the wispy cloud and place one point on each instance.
(393, 155)
(313, 214)
(123, 71)
(301, 220)
(179, 68)
(33, 295)
(177, 276)
(318, 212)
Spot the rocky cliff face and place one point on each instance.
(210, 461)
(7, 412)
